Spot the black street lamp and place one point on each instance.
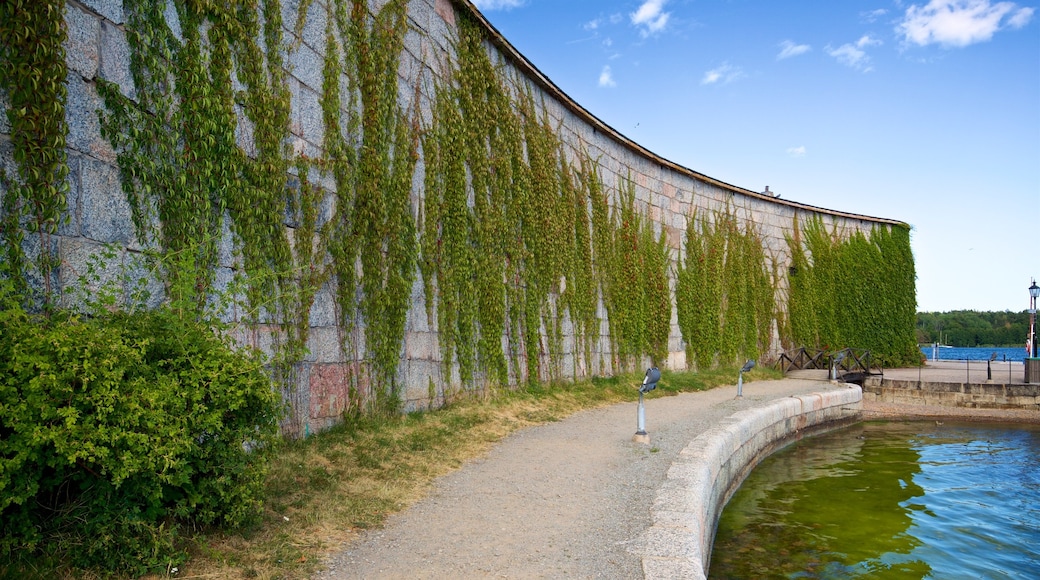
(1034, 292)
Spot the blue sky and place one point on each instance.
(923, 111)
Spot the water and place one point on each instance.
(889, 500)
(1012, 353)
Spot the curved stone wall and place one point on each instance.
(711, 468)
(99, 215)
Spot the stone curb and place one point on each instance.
(712, 466)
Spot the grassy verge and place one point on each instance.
(326, 489)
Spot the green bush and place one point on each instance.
(118, 430)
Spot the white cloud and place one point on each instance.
(488, 5)
(867, 40)
(725, 74)
(606, 78)
(789, 49)
(852, 54)
(796, 151)
(849, 55)
(960, 22)
(650, 17)
(593, 24)
(873, 15)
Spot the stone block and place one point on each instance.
(173, 20)
(310, 119)
(222, 300)
(420, 14)
(81, 106)
(314, 28)
(114, 63)
(104, 211)
(323, 309)
(142, 284)
(245, 131)
(421, 346)
(323, 345)
(69, 225)
(228, 255)
(81, 42)
(307, 66)
(111, 10)
(330, 389)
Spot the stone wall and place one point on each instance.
(982, 395)
(100, 215)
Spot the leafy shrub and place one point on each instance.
(117, 430)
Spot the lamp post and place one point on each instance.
(649, 383)
(1034, 292)
(740, 378)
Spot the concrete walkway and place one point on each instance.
(571, 499)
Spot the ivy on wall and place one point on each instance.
(372, 162)
(517, 241)
(724, 291)
(853, 291)
(33, 77)
(184, 173)
(637, 295)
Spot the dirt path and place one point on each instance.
(569, 499)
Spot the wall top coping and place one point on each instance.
(540, 79)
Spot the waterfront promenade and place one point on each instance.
(576, 498)
(570, 499)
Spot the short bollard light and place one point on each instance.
(750, 364)
(834, 364)
(649, 383)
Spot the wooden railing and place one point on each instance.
(849, 364)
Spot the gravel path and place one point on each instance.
(569, 499)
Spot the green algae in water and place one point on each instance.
(889, 500)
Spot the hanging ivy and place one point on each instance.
(724, 291)
(853, 291)
(372, 238)
(184, 173)
(32, 33)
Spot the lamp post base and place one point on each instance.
(1032, 367)
(641, 437)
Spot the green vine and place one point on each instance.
(637, 296)
(853, 291)
(371, 239)
(184, 173)
(517, 241)
(32, 33)
(724, 292)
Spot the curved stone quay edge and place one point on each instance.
(711, 468)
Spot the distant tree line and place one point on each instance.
(970, 328)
